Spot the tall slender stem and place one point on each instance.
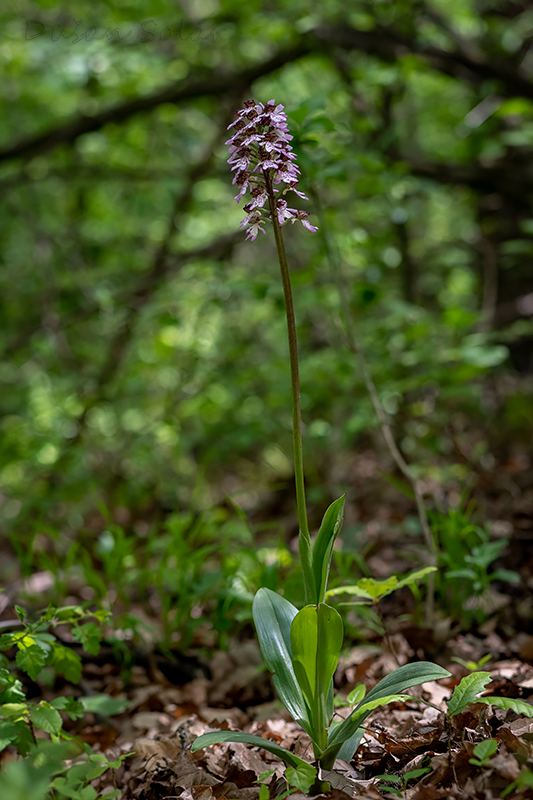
(293, 353)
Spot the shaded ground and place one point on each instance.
(164, 718)
(176, 697)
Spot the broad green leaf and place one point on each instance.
(303, 777)
(82, 772)
(13, 709)
(216, 737)
(349, 747)
(98, 764)
(357, 694)
(66, 662)
(273, 616)
(44, 641)
(8, 734)
(24, 741)
(415, 773)
(399, 680)
(377, 589)
(460, 573)
(6, 679)
(31, 660)
(10, 688)
(405, 677)
(104, 705)
(518, 706)
(505, 575)
(69, 705)
(371, 589)
(89, 635)
(323, 549)
(414, 576)
(354, 590)
(366, 707)
(46, 718)
(316, 640)
(66, 788)
(466, 691)
(70, 613)
(483, 751)
(265, 775)
(18, 710)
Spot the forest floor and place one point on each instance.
(409, 749)
(230, 691)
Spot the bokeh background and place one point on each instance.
(145, 411)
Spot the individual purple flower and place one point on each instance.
(302, 217)
(284, 213)
(255, 222)
(292, 187)
(261, 157)
(259, 197)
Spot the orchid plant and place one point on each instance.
(301, 647)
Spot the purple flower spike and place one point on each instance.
(261, 156)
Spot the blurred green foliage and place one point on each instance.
(465, 556)
(143, 363)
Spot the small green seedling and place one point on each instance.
(472, 666)
(471, 685)
(466, 557)
(301, 778)
(355, 696)
(264, 793)
(483, 752)
(523, 781)
(402, 781)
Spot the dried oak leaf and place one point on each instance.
(518, 747)
(201, 792)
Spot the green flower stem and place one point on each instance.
(295, 375)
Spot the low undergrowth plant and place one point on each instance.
(466, 557)
(36, 729)
(301, 647)
(467, 691)
(194, 569)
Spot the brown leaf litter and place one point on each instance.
(163, 721)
